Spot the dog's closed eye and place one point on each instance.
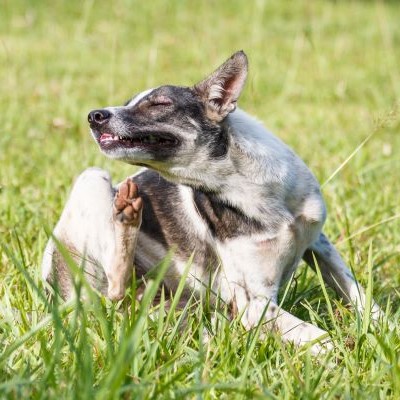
(161, 101)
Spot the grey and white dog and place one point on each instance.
(220, 186)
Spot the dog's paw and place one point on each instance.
(127, 205)
(115, 292)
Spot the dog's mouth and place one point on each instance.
(144, 140)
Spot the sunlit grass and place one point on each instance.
(324, 76)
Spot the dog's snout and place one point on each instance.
(99, 116)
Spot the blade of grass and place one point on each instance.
(346, 161)
(368, 294)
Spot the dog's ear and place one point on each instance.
(222, 88)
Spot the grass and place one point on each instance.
(324, 76)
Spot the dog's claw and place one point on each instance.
(127, 204)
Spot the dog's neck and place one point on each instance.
(255, 166)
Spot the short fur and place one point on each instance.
(219, 186)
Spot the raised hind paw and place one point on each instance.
(127, 205)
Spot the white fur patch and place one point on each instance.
(135, 100)
(197, 278)
(139, 97)
(246, 270)
(314, 209)
(195, 221)
(47, 259)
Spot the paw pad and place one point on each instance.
(127, 204)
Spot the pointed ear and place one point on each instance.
(220, 91)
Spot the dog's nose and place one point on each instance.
(99, 117)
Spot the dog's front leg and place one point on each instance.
(251, 276)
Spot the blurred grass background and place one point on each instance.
(324, 75)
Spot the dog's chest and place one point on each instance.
(224, 242)
(221, 221)
(191, 221)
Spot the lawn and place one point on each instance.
(324, 76)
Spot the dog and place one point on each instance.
(216, 185)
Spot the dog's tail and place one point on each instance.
(337, 275)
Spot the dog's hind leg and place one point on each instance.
(336, 274)
(127, 217)
(99, 226)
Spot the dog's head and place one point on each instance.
(172, 125)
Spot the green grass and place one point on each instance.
(323, 75)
